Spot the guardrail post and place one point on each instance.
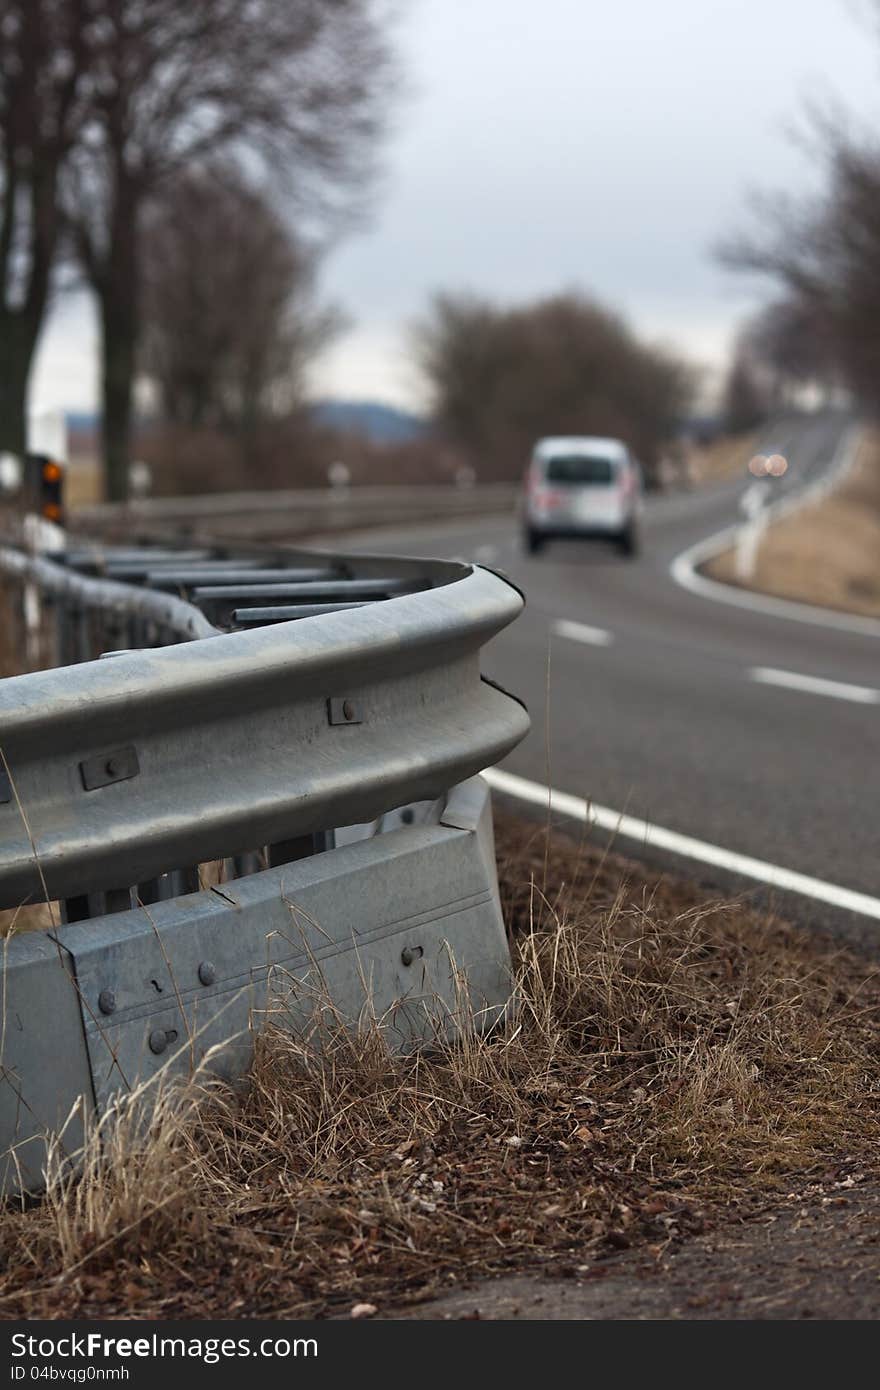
(75, 909)
(86, 905)
(300, 847)
(63, 634)
(150, 891)
(84, 647)
(117, 900)
(183, 881)
(288, 851)
(243, 864)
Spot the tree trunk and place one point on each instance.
(13, 403)
(118, 333)
(17, 344)
(20, 325)
(118, 295)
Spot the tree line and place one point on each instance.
(188, 163)
(820, 257)
(502, 377)
(132, 132)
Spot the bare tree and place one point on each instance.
(294, 88)
(44, 72)
(228, 307)
(745, 402)
(789, 345)
(500, 378)
(824, 254)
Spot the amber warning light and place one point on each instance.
(51, 498)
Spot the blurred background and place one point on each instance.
(243, 242)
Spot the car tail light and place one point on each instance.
(544, 496)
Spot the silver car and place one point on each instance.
(582, 487)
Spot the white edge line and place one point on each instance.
(684, 566)
(581, 632)
(815, 685)
(631, 828)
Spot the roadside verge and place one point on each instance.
(671, 1064)
(801, 553)
(826, 553)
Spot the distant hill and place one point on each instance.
(384, 424)
(82, 422)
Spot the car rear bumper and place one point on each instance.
(574, 530)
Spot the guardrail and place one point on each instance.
(284, 513)
(309, 725)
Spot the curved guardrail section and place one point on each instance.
(315, 726)
(118, 604)
(230, 743)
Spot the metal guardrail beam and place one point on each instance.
(185, 578)
(212, 748)
(368, 498)
(107, 596)
(287, 514)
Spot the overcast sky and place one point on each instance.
(547, 144)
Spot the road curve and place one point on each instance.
(737, 728)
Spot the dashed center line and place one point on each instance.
(582, 632)
(763, 675)
(815, 685)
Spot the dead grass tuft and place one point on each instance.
(132, 1191)
(726, 457)
(665, 1060)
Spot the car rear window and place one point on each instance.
(579, 468)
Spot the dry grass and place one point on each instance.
(666, 1060)
(828, 554)
(28, 917)
(726, 457)
(84, 481)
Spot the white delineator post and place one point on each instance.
(754, 504)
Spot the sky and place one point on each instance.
(603, 145)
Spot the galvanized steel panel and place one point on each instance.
(404, 926)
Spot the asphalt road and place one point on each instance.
(655, 709)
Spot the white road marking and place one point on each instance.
(485, 554)
(815, 685)
(631, 828)
(684, 567)
(582, 632)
